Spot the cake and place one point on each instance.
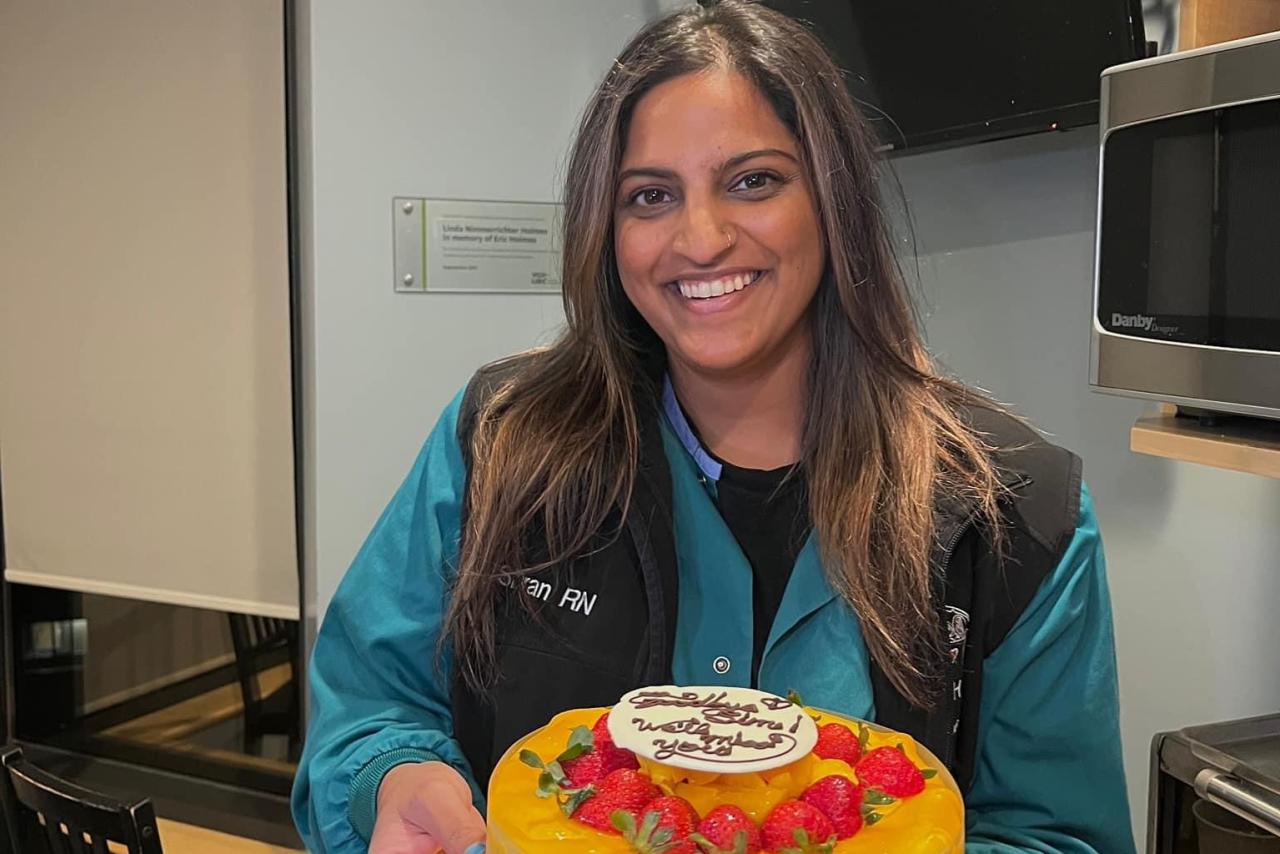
(700, 770)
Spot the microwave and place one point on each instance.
(1186, 305)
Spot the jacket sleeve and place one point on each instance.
(1049, 776)
(379, 694)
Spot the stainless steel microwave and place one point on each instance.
(1187, 265)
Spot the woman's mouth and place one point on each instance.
(704, 289)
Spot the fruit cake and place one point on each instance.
(709, 770)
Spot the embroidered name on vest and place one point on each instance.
(572, 598)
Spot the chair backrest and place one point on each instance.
(48, 815)
(252, 637)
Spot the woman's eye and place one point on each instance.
(755, 181)
(649, 197)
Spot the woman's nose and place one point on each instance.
(705, 234)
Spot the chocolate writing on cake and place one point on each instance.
(717, 729)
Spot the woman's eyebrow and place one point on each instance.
(739, 159)
(647, 172)
(736, 160)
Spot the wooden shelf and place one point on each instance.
(1251, 446)
(1206, 22)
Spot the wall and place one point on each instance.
(135, 647)
(1005, 236)
(476, 101)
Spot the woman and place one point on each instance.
(736, 466)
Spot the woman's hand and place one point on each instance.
(424, 807)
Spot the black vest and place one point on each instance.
(581, 649)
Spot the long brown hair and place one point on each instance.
(556, 450)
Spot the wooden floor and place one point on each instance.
(173, 727)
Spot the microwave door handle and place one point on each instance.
(1247, 800)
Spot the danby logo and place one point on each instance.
(1133, 321)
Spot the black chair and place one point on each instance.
(260, 642)
(47, 815)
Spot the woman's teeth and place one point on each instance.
(716, 287)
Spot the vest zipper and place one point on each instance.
(955, 541)
(968, 523)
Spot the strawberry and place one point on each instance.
(676, 814)
(837, 741)
(794, 827)
(600, 732)
(623, 790)
(569, 788)
(584, 770)
(889, 770)
(612, 756)
(601, 758)
(728, 830)
(839, 799)
(665, 829)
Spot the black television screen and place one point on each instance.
(937, 72)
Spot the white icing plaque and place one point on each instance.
(726, 730)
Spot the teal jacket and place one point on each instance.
(1049, 776)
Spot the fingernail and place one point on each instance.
(478, 848)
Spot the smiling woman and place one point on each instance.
(740, 453)
(719, 246)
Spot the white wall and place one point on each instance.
(1005, 232)
(473, 100)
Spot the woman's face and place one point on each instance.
(717, 236)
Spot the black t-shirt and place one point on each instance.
(768, 513)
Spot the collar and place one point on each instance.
(951, 512)
(707, 464)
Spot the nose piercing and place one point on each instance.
(728, 239)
